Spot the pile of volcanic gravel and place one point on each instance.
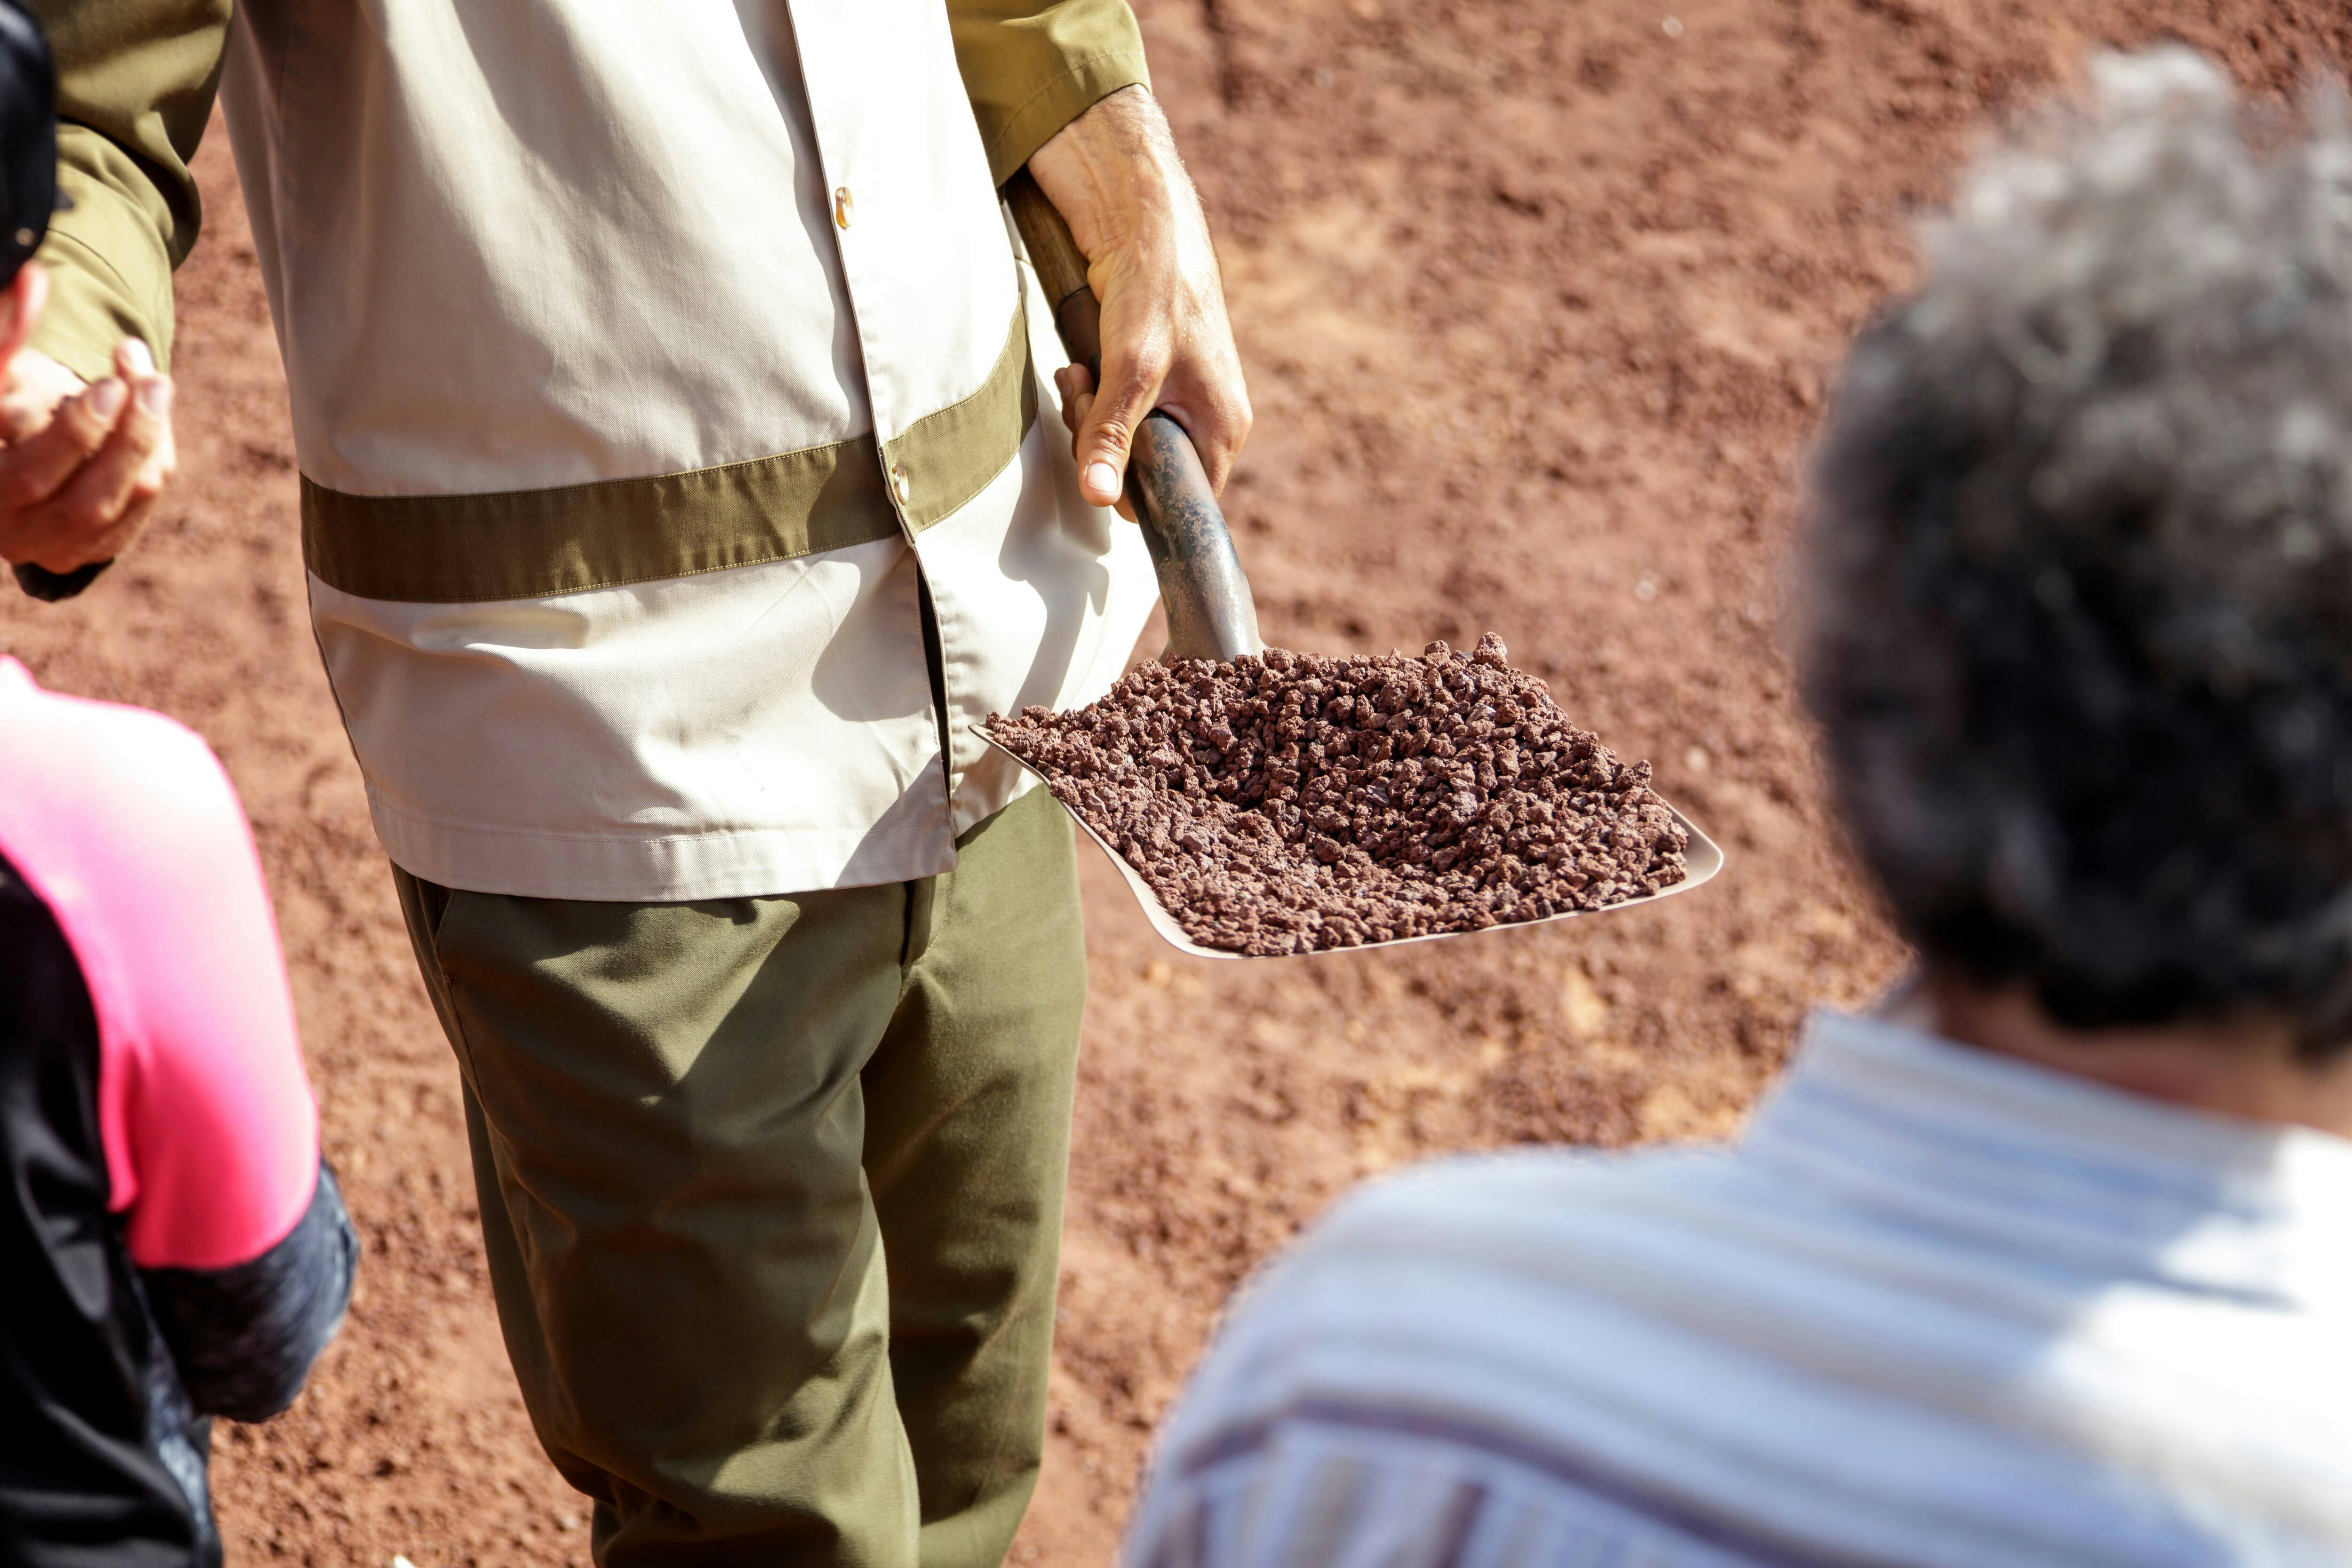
(1291, 804)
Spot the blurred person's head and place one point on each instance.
(2081, 574)
(29, 170)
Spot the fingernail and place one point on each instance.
(1102, 478)
(106, 399)
(142, 358)
(155, 395)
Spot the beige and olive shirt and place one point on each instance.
(665, 388)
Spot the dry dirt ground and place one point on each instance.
(1537, 299)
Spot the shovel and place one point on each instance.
(1202, 585)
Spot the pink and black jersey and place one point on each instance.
(171, 1247)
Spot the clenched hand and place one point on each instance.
(1114, 176)
(80, 465)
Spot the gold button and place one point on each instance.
(840, 207)
(899, 484)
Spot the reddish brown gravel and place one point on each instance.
(1292, 804)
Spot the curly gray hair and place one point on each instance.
(2081, 563)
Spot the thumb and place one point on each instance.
(1131, 386)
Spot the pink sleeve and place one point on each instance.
(126, 826)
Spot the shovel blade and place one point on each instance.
(1701, 861)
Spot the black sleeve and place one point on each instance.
(244, 1336)
(43, 584)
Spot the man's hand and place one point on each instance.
(80, 466)
(1114, 176)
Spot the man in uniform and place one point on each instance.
(664, 384)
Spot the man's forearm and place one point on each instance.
(1114, 170)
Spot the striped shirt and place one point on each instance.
(1937, 1307)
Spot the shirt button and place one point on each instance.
(900, 486)
(841, 206)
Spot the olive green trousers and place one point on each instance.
(772, 1193)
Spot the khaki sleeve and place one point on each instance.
(136, 80)
(1031, 67)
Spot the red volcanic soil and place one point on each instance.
(1537, 303)
(1294, 803)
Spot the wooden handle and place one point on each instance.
(1210, 611)
(1061, 268)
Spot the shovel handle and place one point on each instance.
(1210, 611)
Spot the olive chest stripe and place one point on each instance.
(534, 544)
(538, 544)
(951, 456)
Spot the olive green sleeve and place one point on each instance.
(135, 85)
(1031, 67)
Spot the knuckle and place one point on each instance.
(82, 428)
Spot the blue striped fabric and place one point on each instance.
(1936, 1308)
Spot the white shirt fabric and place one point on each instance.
(516, 246)
(1938, 1308)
